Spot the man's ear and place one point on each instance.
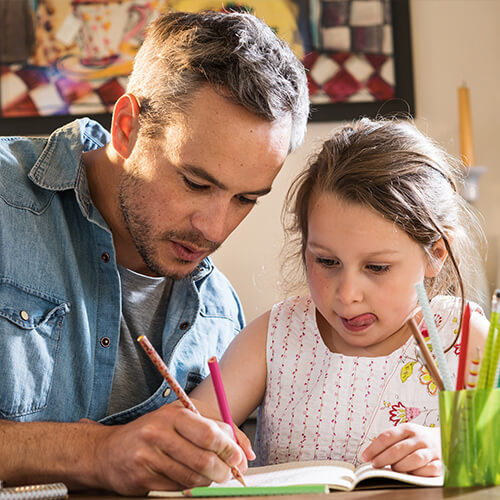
(125, 125)
(438, 257)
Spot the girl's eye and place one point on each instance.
(327, 262)
(378, 268)
(193, 185)
(246, 201)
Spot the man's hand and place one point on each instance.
(408, 448)
(244, 443)
(170, 448)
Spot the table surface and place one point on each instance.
(486, 493)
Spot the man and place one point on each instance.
(106, 236)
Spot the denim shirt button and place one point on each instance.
(166, 392)
(105, 257)
(105, 342)
(184, 325)
(24, 315)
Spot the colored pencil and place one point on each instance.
(175, 386)
(225, 491)
(488, 366)
(474, 370)
(435, 338)
(494, 372)
(424, 350)
(464, 344)
(495, 350)
(220, 393)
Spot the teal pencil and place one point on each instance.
(489, 362)
(435, 339)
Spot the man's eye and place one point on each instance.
(378, 268)
(194, 186)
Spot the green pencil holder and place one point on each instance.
(470, 437)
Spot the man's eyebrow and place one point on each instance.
(203, 174)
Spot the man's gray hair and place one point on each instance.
(236, 53)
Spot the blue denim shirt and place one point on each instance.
(60, 296)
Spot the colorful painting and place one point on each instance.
(65, 58)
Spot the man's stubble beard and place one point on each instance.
(142, 234)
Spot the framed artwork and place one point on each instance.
(61, 59)
(359, 59)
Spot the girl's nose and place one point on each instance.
(349, 289)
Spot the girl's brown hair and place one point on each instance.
(395, 170)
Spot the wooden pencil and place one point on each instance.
(429, 360)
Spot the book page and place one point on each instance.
(337, 475)
(366, 472)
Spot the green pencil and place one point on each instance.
(489, 363)
(240, 491)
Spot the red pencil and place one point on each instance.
(462, 357)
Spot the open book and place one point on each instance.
(335, 475)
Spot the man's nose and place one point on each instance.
(211, 220)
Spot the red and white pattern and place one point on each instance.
(321, 405)
(36, 91)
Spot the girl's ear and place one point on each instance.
(438, 257)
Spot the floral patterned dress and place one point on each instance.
(321, 405)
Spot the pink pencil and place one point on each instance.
(464, 343)
(225, 412)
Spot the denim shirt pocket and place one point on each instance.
(30, 328)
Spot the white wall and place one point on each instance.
(454, 41)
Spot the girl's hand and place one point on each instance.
(407, 448)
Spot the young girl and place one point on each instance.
(336, 373)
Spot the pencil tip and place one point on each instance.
(238, 475)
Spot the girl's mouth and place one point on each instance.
(359, 323)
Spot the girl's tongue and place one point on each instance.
(360, 322)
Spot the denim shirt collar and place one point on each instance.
(58, 167)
